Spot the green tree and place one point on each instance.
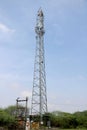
(5, 118)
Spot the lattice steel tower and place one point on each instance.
(39, 96)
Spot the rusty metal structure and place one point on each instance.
(22, 112)
(39, 94)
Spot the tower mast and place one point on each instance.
(39, 96)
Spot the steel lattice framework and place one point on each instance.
(39, 96)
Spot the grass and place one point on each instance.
(68, 129)
(73, 129)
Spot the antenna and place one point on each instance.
(39, 95)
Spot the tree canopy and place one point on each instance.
(57, 118)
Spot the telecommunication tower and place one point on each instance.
(39, 95)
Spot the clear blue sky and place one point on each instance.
(65, 52)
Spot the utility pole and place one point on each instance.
(39, 94)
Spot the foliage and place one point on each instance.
(58, 119)
(11, 110)
(5, 118)
(67, 120)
